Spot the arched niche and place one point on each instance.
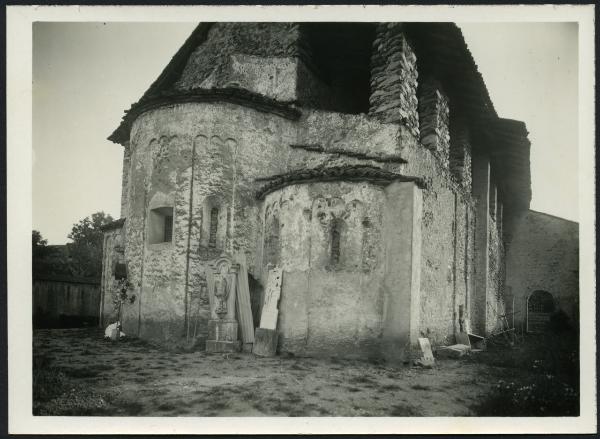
(214, 223)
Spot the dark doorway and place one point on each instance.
(540, 305)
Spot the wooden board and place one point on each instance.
(244, 310)
(270, 311)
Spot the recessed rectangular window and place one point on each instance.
(160, 225)
(168, 228)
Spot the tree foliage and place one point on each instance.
(48, 260)
(81, 258)
(86, 249)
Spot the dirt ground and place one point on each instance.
(76, 372)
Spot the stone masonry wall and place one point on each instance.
(394, 78)
(112, 253)
(495, 292)
(125, 180)
(543, 254)
(460, 152)
(233, 145)
(226, 147)
(235, 53)
(434, 119)
(447, 247)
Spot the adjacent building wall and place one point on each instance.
(113, 248)
(543, 254)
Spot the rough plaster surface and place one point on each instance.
(543, 255)
(112, 247)
(226, 162)
(210, 64)
(326, 306)
(200, 158)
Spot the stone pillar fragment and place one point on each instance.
(434, 119)
(394, 78)
(402, 232)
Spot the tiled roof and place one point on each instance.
(510, 150)
(230, 94)
(371, 174)
(443, 53)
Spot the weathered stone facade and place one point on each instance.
(261, 138)
(543, 256)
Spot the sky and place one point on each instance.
(86, 74)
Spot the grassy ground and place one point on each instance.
(76, 372)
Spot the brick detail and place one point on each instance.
(434, 119)
(394, 78)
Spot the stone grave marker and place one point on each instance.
(426, 359)
(266, 336)
(223, 326)
(270, 312)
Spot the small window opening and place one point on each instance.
(272, 243)
(160, 225)
(168, 228)
(214, 225)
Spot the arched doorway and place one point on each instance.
(540, 305)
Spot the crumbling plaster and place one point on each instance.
(205, 156)
(543, 255)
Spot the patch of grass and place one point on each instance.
(217, 404)
(420, 387)
(544, 395)
(323, 411)
(166, 406)
(292, 397)
(363, 379)
(131, 408)
(91, 371)
(247, 395)
(48, 384)
(392, 387)
(79, 401)
(403, 410)
(298, 366)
